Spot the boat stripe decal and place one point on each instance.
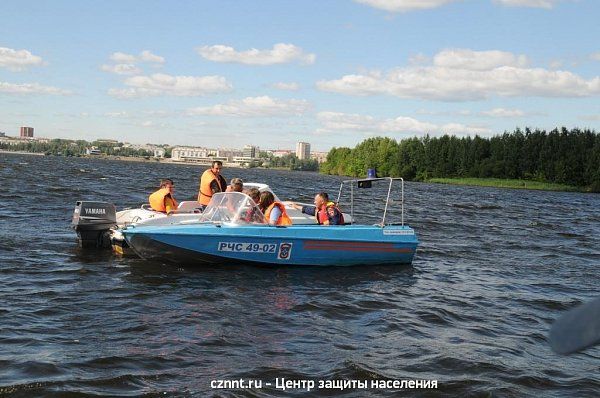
(346, 243)
(355, 246)
(359, 249)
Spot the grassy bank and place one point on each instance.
(501, 183)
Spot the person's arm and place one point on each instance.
(274, 216)
(214, 187)
(310, 210)
(169, 205)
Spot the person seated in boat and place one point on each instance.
(211, 182)
(163, 199)
(274, 212)
(251, 215)
(254, 194)
(325, 211)
(236, 185)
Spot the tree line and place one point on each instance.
(560, 156)
(62, 147)
(290, 161)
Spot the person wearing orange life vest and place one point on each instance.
(274, 211)
(163, 199)
(211, 182)
(325, 211)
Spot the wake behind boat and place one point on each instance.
(232, 230)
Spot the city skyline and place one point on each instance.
(273, 74)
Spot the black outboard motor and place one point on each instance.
(92, 221)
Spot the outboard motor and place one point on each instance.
(92, 221)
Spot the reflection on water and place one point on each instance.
(494, 269)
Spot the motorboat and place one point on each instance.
(232, 230)
(99, 225)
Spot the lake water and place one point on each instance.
(493, 270)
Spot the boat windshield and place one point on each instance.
(232, 207)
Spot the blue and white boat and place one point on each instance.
(232, 230)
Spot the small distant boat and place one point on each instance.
(232, 230)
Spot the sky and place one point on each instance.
(224, 74)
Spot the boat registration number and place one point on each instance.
(247, 247)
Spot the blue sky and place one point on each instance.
(271, 73)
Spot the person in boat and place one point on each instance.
(236, 185)
(211, 182)
(254, 194)
(251, 215)
(274, 212)
(163, 199)
(325, 211)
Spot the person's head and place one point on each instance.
(321, 198)
(254, 194)
(217, 165)
(266, 200)
(237, 185)
(167, 183)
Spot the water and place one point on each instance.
(494, 269)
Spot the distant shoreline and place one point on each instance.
(22, 152)
(137, 159)
(478, 182)
(507, 183)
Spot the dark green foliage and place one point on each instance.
(292, 162)
(561, 156)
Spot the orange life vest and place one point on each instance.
(158, 198)
(322, 214)
(283, 219)
(205, 191)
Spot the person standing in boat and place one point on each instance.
(274, 211)
(163, 199)
(325, 211)
(211, 182)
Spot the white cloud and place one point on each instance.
(461, 129)
(123, 58)
(556, 64)
(255, 107)
(465, 75)
(461, 112)
(405, 5)
(477, 60)
(17, 60)
(593, 118)
(528, 3)
(125, 64)
(163, 84)
(147, 56)
(595, 56)
(144, 56)
(280, 54)
(286, 86)
(503, 113)
(335, 121)
(122, 69)
(31, 88)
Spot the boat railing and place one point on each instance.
(366, 183)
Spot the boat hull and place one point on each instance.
(267, 245)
